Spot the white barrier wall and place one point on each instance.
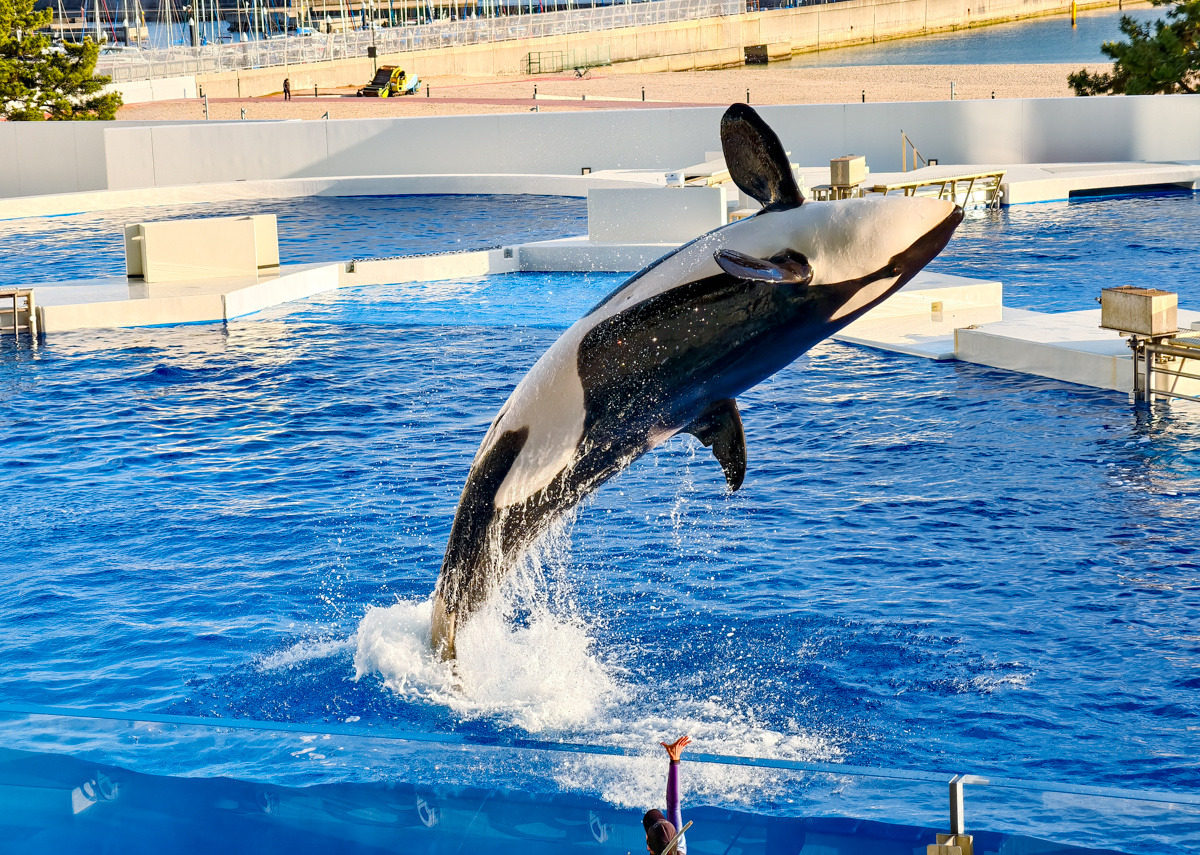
(56, 157)
(38, 158)
(1160, 127)
(159, 89)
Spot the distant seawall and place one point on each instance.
(705, 43)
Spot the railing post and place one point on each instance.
(958, 820)
(957, 842)
(1149, 381)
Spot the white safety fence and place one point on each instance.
(296, 50)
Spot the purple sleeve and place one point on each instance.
(674, 812)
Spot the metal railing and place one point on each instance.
(556, 61)
(298, 50)
(1152, 355)
(1086, 815)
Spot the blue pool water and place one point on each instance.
(1039, 40)
(929, 566)
(311, 228)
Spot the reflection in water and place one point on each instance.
(1039, 40)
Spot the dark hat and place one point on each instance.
(659, 830)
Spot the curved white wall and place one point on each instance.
(53, 157)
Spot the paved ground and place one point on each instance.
(602, 89)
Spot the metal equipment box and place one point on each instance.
(847, 171)
(1141, 311)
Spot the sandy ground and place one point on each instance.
(602, 89)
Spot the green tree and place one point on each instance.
(39, 79)
(1162, 57)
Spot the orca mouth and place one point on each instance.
(909, 263)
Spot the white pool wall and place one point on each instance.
(68, 157)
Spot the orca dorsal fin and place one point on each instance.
(756, 160)
(720, 428)
(786, 268)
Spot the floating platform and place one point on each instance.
(945, 317)
(119, 301)
(937, 316)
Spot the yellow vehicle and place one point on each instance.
(390, 80)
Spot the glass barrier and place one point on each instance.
(73, 781)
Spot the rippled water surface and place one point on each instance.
(931, 565)
(1037, 40)
(48, 249)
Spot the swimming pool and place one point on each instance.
(930, 565)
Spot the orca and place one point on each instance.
(669, 351)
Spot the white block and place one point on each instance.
(266, 239)
(214, 248)
(133, 250)
(641, 216)
(198, 249)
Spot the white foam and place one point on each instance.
(537, 676)
(302, 651)
(525, 658)
(530, 660)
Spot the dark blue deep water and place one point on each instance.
(931, 565)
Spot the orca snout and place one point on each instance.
(925, 248)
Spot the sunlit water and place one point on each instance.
(930, 565)
(49, 249)
(1037, 40)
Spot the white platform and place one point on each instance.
(936, 316)
(1049, 182)
(1068, 346)
(121, 302)
(923, 317)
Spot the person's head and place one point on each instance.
(659, 831)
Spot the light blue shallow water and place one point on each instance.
(929, 566)
(1038, 40)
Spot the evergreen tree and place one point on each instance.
(40, 80)
(1159, 58)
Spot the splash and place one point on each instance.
(527, 658)
(538, 676)
(300, 653)
(530, 660)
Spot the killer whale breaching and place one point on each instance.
(670, 349)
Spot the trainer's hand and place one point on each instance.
(676, 748)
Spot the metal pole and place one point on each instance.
(958, 823)
(1133, 346)
(1149, 358)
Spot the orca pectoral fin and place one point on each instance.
(788, 268)
(756, 160)
(720, 428)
